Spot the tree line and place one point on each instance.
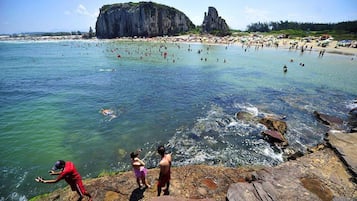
(349, 26)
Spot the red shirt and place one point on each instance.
(69, 173)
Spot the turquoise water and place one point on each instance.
(51, 94)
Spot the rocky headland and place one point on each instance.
(144, 19)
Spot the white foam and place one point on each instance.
(233, 124)
(22, 178)
(267, 151)
(16, 196)
(248, 108)
(351, 106)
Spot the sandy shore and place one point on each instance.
(253, 41)
(249, 41)
(264, 41)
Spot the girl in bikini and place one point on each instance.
(139, 169)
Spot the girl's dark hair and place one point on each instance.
(161, 150)
(134, 155)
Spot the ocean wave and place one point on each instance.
(219, 138)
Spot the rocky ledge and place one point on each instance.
(328, 173)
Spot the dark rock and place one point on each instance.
(214, 24)
(295, 155)
(328, 120)
(316, 148)
(352, 120)
(144, 19)
(291, 154)
(353, 111)
(274, 124)
(274, 136)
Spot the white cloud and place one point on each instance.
(82, 10)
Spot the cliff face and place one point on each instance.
(145, 19)
(214, 24)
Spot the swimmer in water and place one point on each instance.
(109, 113)
(285, 69)
(106, 112)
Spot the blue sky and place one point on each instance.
(17, 16)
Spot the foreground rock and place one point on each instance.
(318, 176)
(144, 19)
(321, 175)
(187, 183)
(345, 146)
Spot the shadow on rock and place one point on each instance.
(137, 194)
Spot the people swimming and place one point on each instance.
(285, 69)
(109, 113)
(107, 70)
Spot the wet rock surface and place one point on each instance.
(274, 124)
(333, 122)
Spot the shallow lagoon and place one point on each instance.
(52, 92)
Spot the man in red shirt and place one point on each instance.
(69, 173)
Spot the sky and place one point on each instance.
(20, 16)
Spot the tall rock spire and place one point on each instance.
(214, 24)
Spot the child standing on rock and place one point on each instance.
(139, 169)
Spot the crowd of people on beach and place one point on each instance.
(67, 170)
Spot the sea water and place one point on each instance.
(184, 96)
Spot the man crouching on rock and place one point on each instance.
(68, 172)
(165, 171)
